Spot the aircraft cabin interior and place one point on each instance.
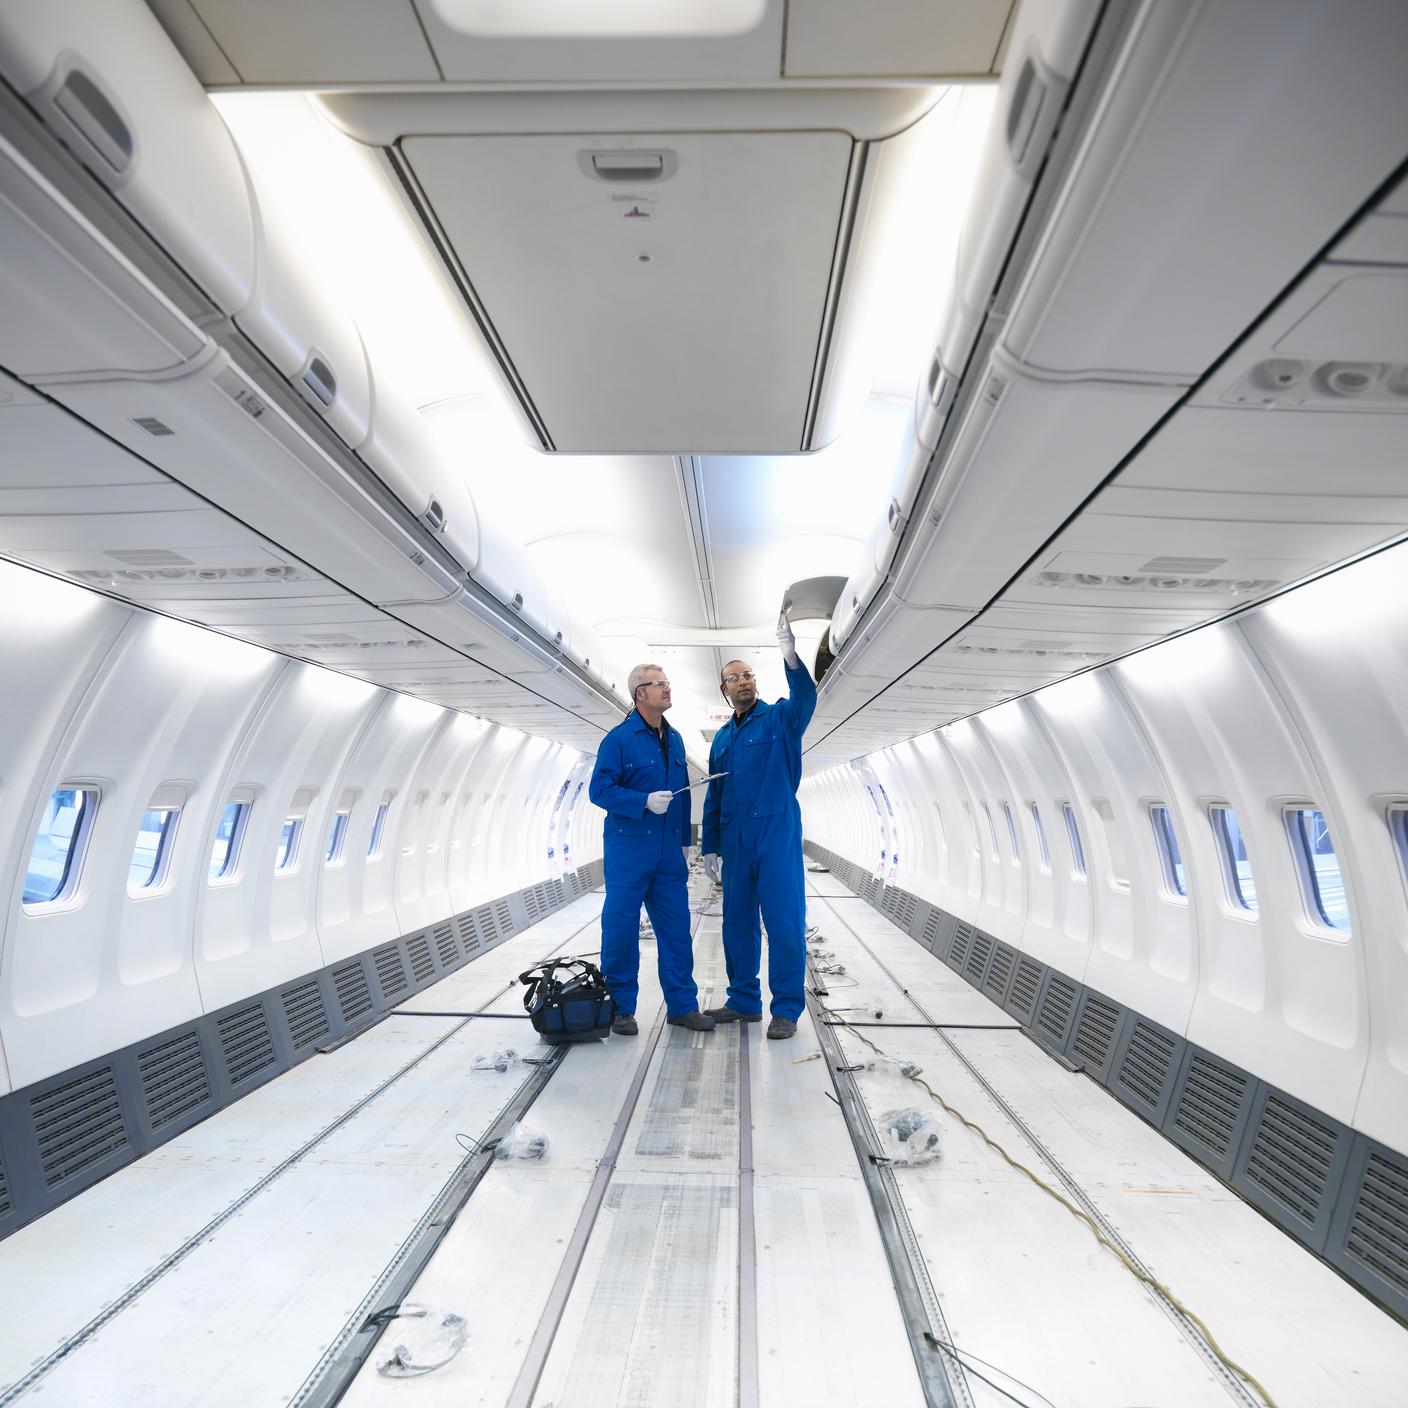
(384, 382)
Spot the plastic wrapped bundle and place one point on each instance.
(910, 1136)
(425, 1339)
(521, 1145)
(499, 1061)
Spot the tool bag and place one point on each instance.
(568, 1000)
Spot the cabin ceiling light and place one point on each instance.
(604, 19)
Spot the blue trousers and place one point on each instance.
(763, 872)
(662, 888)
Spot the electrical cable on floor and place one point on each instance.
(1137, 1272)
(961, 1355)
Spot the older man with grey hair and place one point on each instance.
(642, 783)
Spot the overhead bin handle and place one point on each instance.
(631, 165)
(1031, 115)
(90, 113)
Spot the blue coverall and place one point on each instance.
(644, 863)
(752, 820)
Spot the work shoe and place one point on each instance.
(779, 1029)
(727, 1014)
(625, 1025)
(692, 1021)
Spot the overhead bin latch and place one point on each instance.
(635, 165)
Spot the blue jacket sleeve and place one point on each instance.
(606, 789)
(713, 799)
(800, 704)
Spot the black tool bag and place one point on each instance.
(568, 1000)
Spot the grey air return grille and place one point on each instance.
(174, 1079)
(246, 1043)
(77, 1124)
(390, 971)
(1021, 1002)
(305, 1013)
(975, 966)
(153, 426)
(422, 964)
(1057, 1010)
(6, 1205)
(1378, 1225)
(354, 993)
(962, 942)
(503, 916)
(445, 945)
(1146, 1068)
(488, 924)
(1004, 960)
(1211, 1105)
(469, 935)
(931, 929)
(1292, 1157)
(1096, 1029)
(533, 903)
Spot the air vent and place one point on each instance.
(1292, 1157)
(6, 1202)
(1210, 1105)
(1021, 1002)
(905, 905)
(504, 915)
(152, 426)
(445, 945)
(1058, 1005)
(998, 976)
(530, 903)
(150, 557)
(306, 1014)
(976, 964)
(469, 935)
(1378, 1225)
(390, 972)
(422, 964)
(1146, 1068)
(962, 942)
(1183, 566)
(354, 994)
(1141, 582)
(1096, 1029)
(77, 1125)
(488, 926)
(931, 929)
(245, 1043)
(174, 1079)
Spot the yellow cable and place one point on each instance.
(1139, 1274)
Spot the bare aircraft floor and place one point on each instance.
(699, 1232)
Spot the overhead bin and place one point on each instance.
(654, 293)
(109, 82)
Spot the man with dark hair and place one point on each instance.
(753, 833)
(640, 771)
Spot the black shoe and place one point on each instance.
(727, 1014)
(625, 1025)
(779, 1029)
(692, 1021)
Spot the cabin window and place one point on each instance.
(1236, 864)
(378, 827)
(1043, 854)
(1114, 844)
(56, 858)
(1398, 829)
(151, 856)
(1170, 857)
(229, 836)
(1011, 834)
(286, 857)
(992, 830)
(1078, 871)
(337, 837)
(1322, 883)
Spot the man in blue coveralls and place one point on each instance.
(753, 830)
(640, 771)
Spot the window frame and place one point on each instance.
(1169, 851)
(229, 872)
(1313, 909)
(376, 841)
(161, 867)
(1043, 850)
(1396, 818)
(335, 851)
(992, 834)
(286, 854)
(1231, 881)
(1012, 833)
(1080, 867)
(67, 895)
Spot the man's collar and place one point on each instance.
(641, 722)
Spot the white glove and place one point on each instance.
(787, 642)
(714, 867)
(658, 802)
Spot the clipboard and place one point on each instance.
(711, 777)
